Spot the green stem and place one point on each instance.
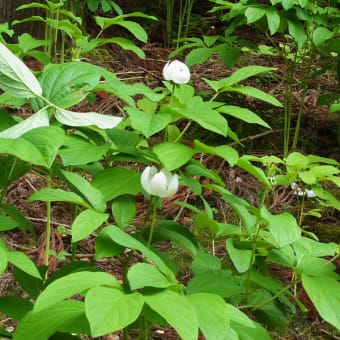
(74, 250)
(4, 191)
(48, 226)
(183, 131)
(304, 93)
(253, 251)
(152, 224)
(172, 92)
(147, 215)
(145, 332)
(260, 305)
(339, 129)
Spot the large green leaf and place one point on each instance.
(109, 310)
(15, 306)
(254, 14)
(93, 195)
(36, 120)
(204, 114)
(71, 284)
(124, 239)
(148, 123)
(243, 114)
(67, 84)
(47, 140)
(241, 258)
(15, 76)
(67, 316)
(224, 151)
(86, 119)
(283, 227)
(212, 314)
(325, 295)
(114, 182)
(124, 210)
(55, 195)
(177, 310)
(86, 223)
(217, 282)
(23, 149)
(23, 262)
(146, 275)
(173, 155)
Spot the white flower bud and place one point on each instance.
(162, 183)
(306, 192)
(176, 71)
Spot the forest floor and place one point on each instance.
(318, 124)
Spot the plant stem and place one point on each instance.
(152, 224)
(304, 93)
(253, 251)
(260, 305)
(4, 191)
(183, 131)
(172, 92)
(147, 215)
(48, 225)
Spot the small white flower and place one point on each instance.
(306, 192)
(176, 71)
(162, 183)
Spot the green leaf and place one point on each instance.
(105, 246)
(124, 43)
(254, 170)
(204, 114)
(198, 56)
(205, 262)
(246, 328)
(297, 31)
(29, 284)
(15, 76)
(212, 314)
(202, 220)
(67, 84)
(254, 14)
(273, 19)
(136, 29)
(241, 258)
(36, 120)
(325, 295)
(28, 43)
(124, 239)
(86, 223)
(242, 74)
(47, 140)
(124, 210)
(3, 260)
(70, 118)
(77, 151)
(17, 216)
(283, 227)
(196, 170)
(253, 92)
(93, 195)
(66, 316)
(109, 310)
(70, 285)
(148, 124)
(177, 310)
(243, 114)
(173, 155)
(224, 151)
(146, 275)
(114, 182)
(181, 236)
(55, 195)
(7, 223)
(22, 149)
(320, 35)
(15, 306)
(218, 282)
(23, 262)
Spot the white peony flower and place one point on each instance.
(176, 71)
(162, 183)
(307, 192)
